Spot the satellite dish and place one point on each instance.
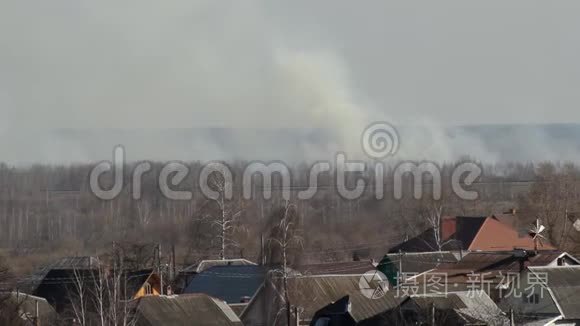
(536, 233)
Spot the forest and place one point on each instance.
(49, 211)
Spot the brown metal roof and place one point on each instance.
(337, 268)
(494, 235)
(472, 233)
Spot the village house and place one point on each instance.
(547, 295)
(185, 309)
(140, 283)
(59, 282)
(464, 233)
(56, 281)
(454, 308)
(27, 310)
(184, 277)
(308, 294)
(230, 283)
(491, 272)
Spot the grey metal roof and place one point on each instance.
(79, 262)
(205, 264)
(186, 309)
(312, 293)
(563, 284)
(228, 283)
(503, 261)
(475, 305)
(30, 283)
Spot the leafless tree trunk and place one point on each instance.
(286, 237)
(78, 297)
(226, 219)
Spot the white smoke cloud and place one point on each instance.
(278, 81)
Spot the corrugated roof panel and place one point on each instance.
(564, 284)
(189, 309)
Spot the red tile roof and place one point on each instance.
(494, 236)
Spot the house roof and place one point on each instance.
(563, 284)
(238, 307)
(502, 261)
(312, 293)
(495, 235)
(471, 233)
(467, 229)
(228, 283)
(493, 267)
(31, 282)
(77, 262)
(476, 305)
(186, 309)
(27, 307)
(206, 264)
(417, 262)
(337, 268)
(424, 242)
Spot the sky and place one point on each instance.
(250, 65)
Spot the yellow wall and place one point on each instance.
(141, 292)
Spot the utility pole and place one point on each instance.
(36, 318)
(433, 314)
(400, 267)
(173, 272)
(512, 320)
(262, 253)
(159, 270)
(297, 315)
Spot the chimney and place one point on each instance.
(448, 227)
(512, 211)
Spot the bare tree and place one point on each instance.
(227, 216)
(434, 217)
(286, 236)
(9, 310)
(78, 297)
(98, 296)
